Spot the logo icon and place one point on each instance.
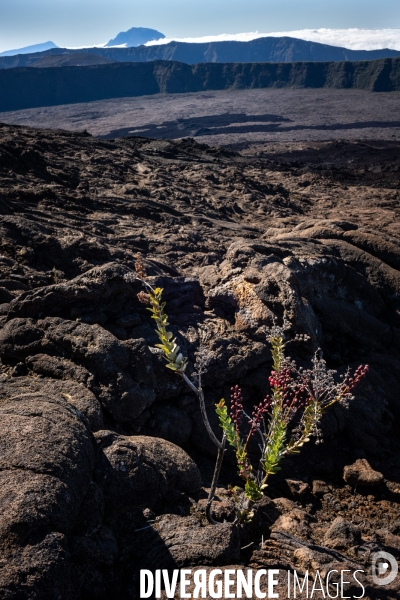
(384, 568)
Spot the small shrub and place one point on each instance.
(298, 397)
(56, 275)
(284, 421)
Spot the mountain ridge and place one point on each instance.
(135, 36)
(30, 49)
(268, 49)
(81, 59)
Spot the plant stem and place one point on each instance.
(214, 482)
(200, 395)
(220, 445)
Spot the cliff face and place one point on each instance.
(26, 87)
(270, 49)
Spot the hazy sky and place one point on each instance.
(87, 22)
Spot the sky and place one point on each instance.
(74, 23)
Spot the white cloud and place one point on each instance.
(353, 39)
(92, 46)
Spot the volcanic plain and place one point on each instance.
(230, 117)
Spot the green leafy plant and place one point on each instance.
(177, 363)
(287, 417)
(175, 360)
(283, 422)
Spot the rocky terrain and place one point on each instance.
(105, 461)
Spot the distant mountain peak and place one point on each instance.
(136, 36)
(30, 49)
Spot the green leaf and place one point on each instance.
(172, 366)
(252, 490)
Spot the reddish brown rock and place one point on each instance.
(362, 474)
(342, 534)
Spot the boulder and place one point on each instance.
(121, 375)
(136, 472)
(178, 542)
(319, 488)
(342, 534)
(46, 462)
(297, 488)
(296, 522)
(76, 394)
(362, 474)
(94, 296)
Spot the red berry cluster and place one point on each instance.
(236, 411)
(280, 380)
(258, 413)
(244, 468)
(293, 393)
(359, 373)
